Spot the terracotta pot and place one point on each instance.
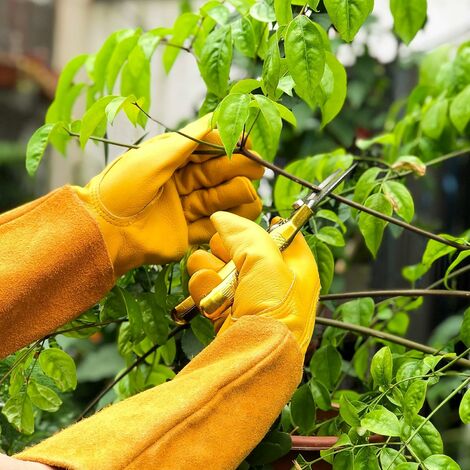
(310, 447)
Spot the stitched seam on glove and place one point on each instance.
(252, 370)
(113, 219)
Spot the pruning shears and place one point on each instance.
(283, 232)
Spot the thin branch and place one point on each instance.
(127, 371)
(187, 136)
(363, 330)
(456, 273)
(359, 207)
(448, 156)
(378, 161)
(168, 43)
(106, 141)
(395, 293)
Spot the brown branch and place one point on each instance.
(355, 205)
(363, 330)
(397, 293)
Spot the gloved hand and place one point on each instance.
(153, 202)
(284, 286)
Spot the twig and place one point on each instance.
(363, 330)
(187, 136)
(128, 370)
(359, 207)
(106, 141)
(395, 293)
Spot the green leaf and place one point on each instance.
(414, 399)
(320, 394)
(325, 262)
(19, 412)
(66, 91)
(409, 17)
(37, 146)
(272, 68)
(182, 29)
(126, 42)
(361, 361)
(245, 86)
(217, 11)
(381, 367)
(283, 11)
(334, 88)
(305, 54)
(131, 309)
(216, 59)
(461, 256)
(286, 114)
(348, 15)
(465, 328)
(244, 37)
(95, 115)
(460, 110)
(426, 442)
(390, 458)
(410, 163)
(372, 228)
(232, 116)
(381, 421)
(435, 250)
(43, 397)
(266, 132)
(154, 322)
(348, 412)
(332, 217)
(274, 445)
(401, 199)
(98, 73)
(331, 236)
(464, 408)
(440, 462)
(159, 375)
(366, 459)
(357, 311)
(60, 367)
(122, 102)
(407, 466)
(303, 409)
(263, 10)
(203, 329)
(365, 185)
(343, 460)
(325, 365)
(435, 119)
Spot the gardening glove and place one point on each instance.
(155, 201)
(284, 286)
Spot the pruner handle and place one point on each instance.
(221, 297)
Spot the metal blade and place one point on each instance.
(328, 186)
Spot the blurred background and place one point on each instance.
(38, 37)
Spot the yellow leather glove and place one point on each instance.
(153, 202)
(284, 286)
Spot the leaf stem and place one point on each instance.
(187, 136)
(106, 141)
(363, 330)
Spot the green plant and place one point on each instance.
(287, 47)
